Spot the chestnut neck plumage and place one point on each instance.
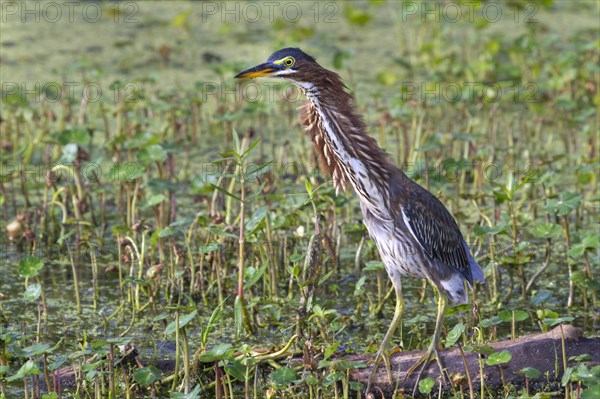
(346, 152)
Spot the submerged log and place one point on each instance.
(541, 351)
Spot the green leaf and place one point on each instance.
(454, 335)
(238, 316)
(373, 265)
(492, 321)
(30, 367)
(256, 220)
(33, 350)
(497, 358)
(547, 230)
(252, 275)
(283, 376)
(426, 385)
(69, 153)
(330, 350)
(567, 203)
(147, 375)
(558, 320)
(30, 266)
(33, 292)
(219, 352)
(566, 376)
(507, 315)
(541, 297)
(194, 394)
(236, 369)
(77, 136)
(154, 200)
(225, 192)
(152, 153)
(530, 372)
(183, 321)
(126, 172)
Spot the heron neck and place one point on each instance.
(346, 151)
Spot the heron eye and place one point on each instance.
(288, 62)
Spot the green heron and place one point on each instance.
(413, 231)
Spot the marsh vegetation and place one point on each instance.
(149, 201)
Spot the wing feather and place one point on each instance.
(434, 229)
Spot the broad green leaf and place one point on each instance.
(530, 372)
(252, 275)
(236, 369)
(558, 320)
(426, 385)
(373, 265)
(194, 394)
(30, 266)
(454, 335)
(33, 350)
(77, 136)
(154, 200)
(219, 352)
(497, 358)
(147, 375)
(507, 315)
(28, 368)
(33, 292)
(152, 153)
(183, 321)
(547, 230)
(283, 376)
(541, 297)
(255, 221)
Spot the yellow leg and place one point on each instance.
(432, 351)
(398, 312)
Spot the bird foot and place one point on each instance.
(423, 363)
(381, 355)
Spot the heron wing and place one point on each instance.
(434, 229)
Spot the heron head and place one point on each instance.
(288, 63)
